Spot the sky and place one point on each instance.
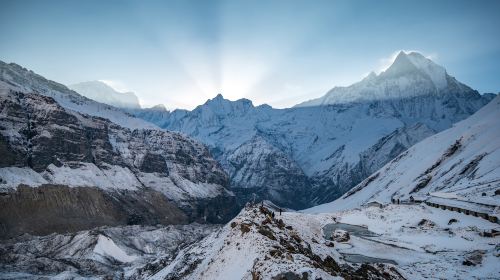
(181, 53)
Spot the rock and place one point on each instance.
(424, 223)
(266, 231)
(329, 244)
(244, 228)
(280, 224)
(474, 258)
(451, 221)
(340, 236)
(291, 276)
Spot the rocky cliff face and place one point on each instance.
(80, 171)
(322, 148)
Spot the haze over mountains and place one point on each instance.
(101, 92)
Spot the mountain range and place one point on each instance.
(404, 164)
(316, 151)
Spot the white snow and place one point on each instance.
(422, 251)
(89, 175)
(106, 248)
(178, 188)
(11, 177)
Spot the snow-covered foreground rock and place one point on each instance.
(255, 246)
(393, 242)
(314, 153)
(459, 167)
(113, 252)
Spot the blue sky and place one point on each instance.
(181, 53)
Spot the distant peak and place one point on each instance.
(217, 98)
(102, 92)
(159, 107)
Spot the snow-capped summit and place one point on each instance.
(410, 75)
(101, 92)
(221, 106)
(414, 63)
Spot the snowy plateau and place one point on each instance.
(394, 177)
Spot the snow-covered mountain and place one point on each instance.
(64, 170)
(458, 167)
(410, 75)
(307, 155)
(101, 92)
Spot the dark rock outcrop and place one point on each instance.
(56, 208)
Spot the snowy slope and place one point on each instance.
(101, 92)
(461, 164)
(396, 242)
(254, 246)
(325, 150)
(106, 252)
(17, 78)
(426, 243)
